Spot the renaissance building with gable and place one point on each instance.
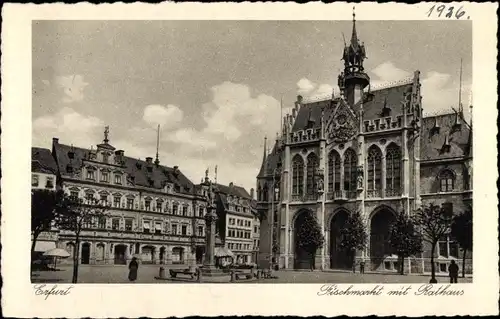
(153, 212)
(365, 150)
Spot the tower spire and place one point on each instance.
(354, 36)
(157, 160)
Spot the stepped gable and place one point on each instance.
(390, 96)
(159, 174)
(42, 161)
(459, 139)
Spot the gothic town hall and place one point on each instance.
(364, 150)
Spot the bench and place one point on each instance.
(187, 272)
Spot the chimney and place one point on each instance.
(55, 140)
(149, 160)
(252, 193)
(176, 170)
(231, 184)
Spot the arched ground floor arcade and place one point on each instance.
(377, 256)
(105, 251)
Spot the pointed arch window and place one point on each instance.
(446, 180)
(297, 175)
(350, 163)
(312, 165)
(374, 171)
(393, 170)
(265, 193)
(333, 171)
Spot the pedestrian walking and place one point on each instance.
(133, 267)
(362, 266)
(453, 271)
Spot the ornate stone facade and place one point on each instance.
(377, 155)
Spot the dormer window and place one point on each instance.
(446, 181)
(446, 145)
(138, 165)
(50, 182)
(69, 168)
(34, 180)
(147, 204)
(71, 155)
(436, 128)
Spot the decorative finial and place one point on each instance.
(353, 13)
(106, 133)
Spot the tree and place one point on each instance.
(76, 214)
(353, 235)
(309, 235)
(433, 222)
(43, 212)
(405, 240)
(461, 230)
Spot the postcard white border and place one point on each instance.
(156, 300)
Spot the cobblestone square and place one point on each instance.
(147, 273)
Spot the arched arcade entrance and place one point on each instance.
(339, 258)
(380, 231)
(303, 259)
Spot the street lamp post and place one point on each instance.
(271, 229)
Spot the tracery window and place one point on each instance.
(312, 165)
(446, 180)
(350, 164)
(297, 175)
(333, 171)
(393, 170)
(374, 171)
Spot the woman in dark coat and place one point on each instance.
(133, 266)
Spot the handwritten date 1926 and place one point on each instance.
(446, 11)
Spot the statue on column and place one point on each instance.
(360, 174)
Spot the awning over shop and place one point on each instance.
(43, 246)
(223, 252)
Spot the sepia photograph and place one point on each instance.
(252, 151)
(258, 159)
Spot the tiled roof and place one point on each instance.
(271, 161)
(432, 142)
(158, 175)
(233, 190)
(42, 161)
(391, 97)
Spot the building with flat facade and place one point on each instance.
(154, 212)
(236, 219)
(44, 177)
(363, 150)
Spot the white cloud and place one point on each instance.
(308, 88)
(387, 72)
(68, 125)
(305, 86)
(73, 86)
(167, 116)
(438, 92)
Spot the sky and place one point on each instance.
(215, 87)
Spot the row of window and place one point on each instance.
(237, 208)
(129, 203)
(149, 227)
(104, 176)
(350, 174)
(240, 222)
(237, 233)
(239, 246)
(35, 181)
